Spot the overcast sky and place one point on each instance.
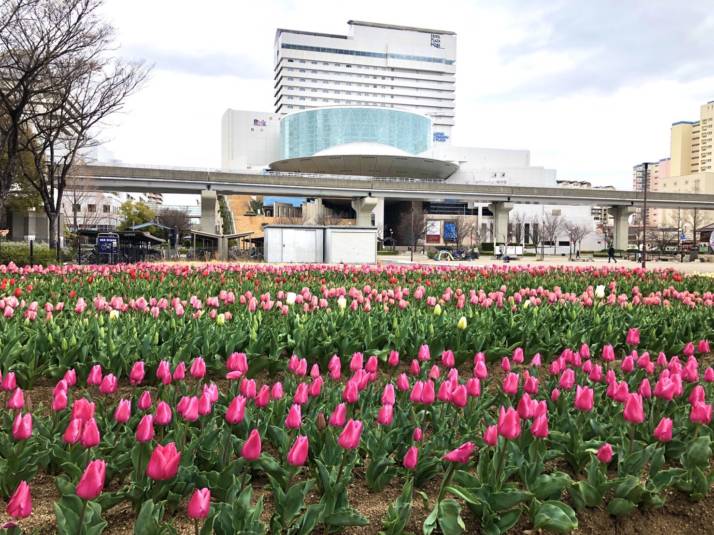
(590, 87)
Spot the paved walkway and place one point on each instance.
(686, 267)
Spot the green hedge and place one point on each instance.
(19, 253)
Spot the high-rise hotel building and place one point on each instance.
(373, 65)
(693, 143)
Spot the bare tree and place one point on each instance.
(412, 226)
(576, 233)
(551, 226)
(36, 36)
(519, 221)
(73, 91)
(536, 232)
(176, 219)
(696, 219)
(663, 238)
(464, 227)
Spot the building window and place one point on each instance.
(91, 208)
(106, 209)
(76, 208)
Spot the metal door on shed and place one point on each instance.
(352, 246)
(300, 245)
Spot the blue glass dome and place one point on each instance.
(305, 133)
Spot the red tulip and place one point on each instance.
(91, 483)
(20, 504)
(298, 452)
(663, 431)
(509, 423)
(22, 426)
(411, 458)
(164, 462)
(604, 454)
(252, 447)
(200, 504)
(145, 429)
(634, 411)
(90, 434)
(460, 454)
(350, 437)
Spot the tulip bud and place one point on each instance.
(461, 454)
(411, 458)
(20, 503)
(90, 434)
(298, 452)
(199, 504)
(123, 411)
(604, 454)
(91, 483)
(22, 426)
(145, 429)
(252, 446)
(350, 437)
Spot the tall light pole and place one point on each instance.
(644, 218)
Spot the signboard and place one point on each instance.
(436, 40)
(450, 232)
(107, 244)
(433, 231)
(440, 137)
(259, 122)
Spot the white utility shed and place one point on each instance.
(320, 244)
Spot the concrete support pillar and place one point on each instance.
(621, 216)
(363, 210)
(208, 211)
(379, 215)
(222, 248)
(500, 220)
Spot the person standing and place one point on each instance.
(611, 254)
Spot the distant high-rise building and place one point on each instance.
(693, 143)
(374, 65)
(656, 173)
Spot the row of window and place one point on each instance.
(332, 74)
(363, 53)
(435, 100)
(358, 66)
(92, 208)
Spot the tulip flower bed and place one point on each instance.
(493, 397)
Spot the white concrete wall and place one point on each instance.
(245, 142)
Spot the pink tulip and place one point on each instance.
(372, 364)
(236, 410)
(460, 454)
(164, 462)
(298, 451)
(95, 375)
(663, 431)
(204, 404)
(518, 356)
(163, 414)
(22, 426)
(505, 364)
(393, 359)
(276, 392)
(709, 375)
(628, 364)
(703, 346)
(190, 412)
(555, 395)
(414, 367)
(633, 337)
(199, 505)
(123, 411)
(567, 379)
(71, 377)
(604, 454)
(700, 413)
(688, 349)
(388, 395)
(385, 415)
(480, 370)
(179, 372)
(59, 401)
(350, 437)
(411, 458)
(356, 362)
(634, 412)
(16, 401)
(608, 353)
(20, 503)
(402, 382)
(237, 362)
(73, 432)
(136, 375)
(539, 427)
(509, 423)
(294, 417)
(198, 368)
(584, 398)
(424, 354)
(144, 402)
(83, 409)
(536, 360)
(459, 396)
(428, 393)
(9, 382)
(510, 383)
(473, 387)
(417, 434)
(145, 429)
(645, 389)
(490, 435)
(90, 434)
(338, 416)
(109, 384)
(91, 483)
(252, 446)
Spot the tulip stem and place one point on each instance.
(445, 482)
(501, 460)
(81, 516)
(342, 466)
(195, 526)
